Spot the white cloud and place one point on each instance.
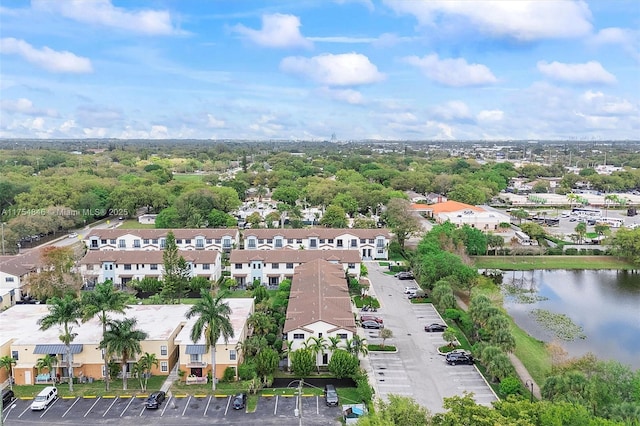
(452, 110)
(349, 96)
(267, 125)
(629, 40)
(49, 59)
(159, 132)
(24, 106)
(597, 103)
(278, 30)
(452, 72)
(490, 115)
(367, 3)
(523, 19)
(102, 12)
(213, 122)
(347, 69)
(590, 72)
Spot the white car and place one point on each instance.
(73, 235)
(410, 289)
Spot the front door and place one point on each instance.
(196, 372)
(27, 378)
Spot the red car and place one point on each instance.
(364, 318)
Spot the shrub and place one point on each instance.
(147, 285)
(246, 371)
(229, 374)
(198, 283)
(571, 251)
(510, 386)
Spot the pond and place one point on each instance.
(584, 311)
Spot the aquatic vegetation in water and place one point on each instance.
(522, 295)
(559, 324)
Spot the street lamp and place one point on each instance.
(529, 385)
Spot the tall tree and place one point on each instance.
(176, 271)
(401, 220)
(213, 322)
(7, 362)
(105, 298)
(122, 338)
(65, 312)
(146, 362)
(57, 276)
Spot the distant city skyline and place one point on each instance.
(308, 70)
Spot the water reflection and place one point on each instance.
(606, 304)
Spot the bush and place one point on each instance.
(147, 285)
(364, 389)
(510, 386)
(229, 374)
(247, 371)
(571, 251)
(199, 283)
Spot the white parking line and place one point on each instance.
(142, 411)
(91, 408)
(275, 409)
(125, 408)
(317, 404)
(228, 403)
(166, 405)
(186, 405)
(68, 409)
(25, 410)
(109, 408)
(49, 407)
(207, 406)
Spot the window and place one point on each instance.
(187, 241)
(319, 335)
(195, 358)
(313, 243)
(136, 243)
(122, 244)
(153, 266)
(260, 240)
(339, 243)
(278, 242)
(179, 241)
(363, 241)
(232, 355)
(251, 243)
(226, 243)
(112, 241)
(380, 243)
(199, 243)
(289, 265)
(299, 241)
(145, 241)
(163, 350)
(127, 267)
(103, 241)
(321, 240)
(352, 266)
(163, 243)
(275, 266)
(269, 240)
(218, 240)
(237, 265)
(354, 242)
(298, 336)
(274, 281)
(289, 240)
(330, 240)
(89, 268)
(343, 336)
(14, 355)
(10, 279)
(206, 266)
(209, 240)
(164, 366)
(371, 241)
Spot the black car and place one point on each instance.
(405, 275)
(7, 397)
(432, 328)
(155, 399)
(372, 324)
(239, 401)
(454, 358)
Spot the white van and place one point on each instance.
(44, 398)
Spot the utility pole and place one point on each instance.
(2, 226)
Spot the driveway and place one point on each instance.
(416, 370)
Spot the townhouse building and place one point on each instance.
(223, 239)
(370, 243)
(14, 274)
(319, 307)
(271, 267)
(167, 329)
(122, 266)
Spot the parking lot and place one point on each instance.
(176, 410)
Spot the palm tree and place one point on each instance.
(103, 299)
(348, 345)
(65, 312)
(581, 230)
(46, 362)
(123, 339)
(147, 361)
(212, 323)
(334, 341)
(316, 345)
(359, 345)
(572, 198)
(260, 322)
(7, 362)
(610, 199)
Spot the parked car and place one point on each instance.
(73, 235)
(410, 289)
(239, 401)
(405, 275)
(7, 397)
(155, 399)
(459, 357)
(364, 318)
(330, 395)
(372, 324)
(435, 327)
(44, 398)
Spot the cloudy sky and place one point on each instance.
(307, 69)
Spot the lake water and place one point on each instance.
(606, 304)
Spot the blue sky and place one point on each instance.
(304, 70)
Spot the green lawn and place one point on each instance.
(97, 388)
(181, 177)
(527, 263)
(134, 224)
(380, 348)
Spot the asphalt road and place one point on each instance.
(417, 370)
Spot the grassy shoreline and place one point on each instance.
(527, 263)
